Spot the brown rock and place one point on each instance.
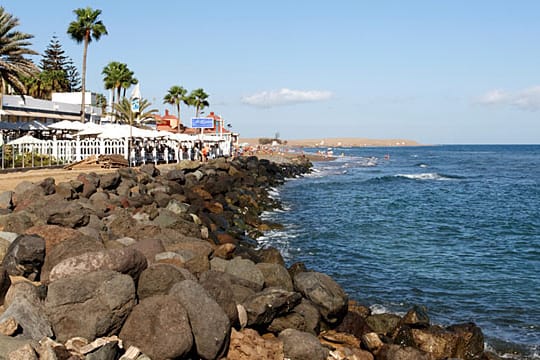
(225, 251)
(247, 344)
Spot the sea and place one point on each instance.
(453, 228)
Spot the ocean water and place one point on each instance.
(454, 228)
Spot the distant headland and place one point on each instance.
(337, 142)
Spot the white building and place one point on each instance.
(63, 106)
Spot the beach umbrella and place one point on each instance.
(32, 126)
(26, 140)
(91, 129)
(68, 125)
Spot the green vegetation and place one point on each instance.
(14, 45)
(84, 29)
(126, 116)
(176, 96)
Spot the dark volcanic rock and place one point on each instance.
(324, 293)
(159, 326)
(25, 256)
(219, 286)
(209, 323)
(158, 279)
(276, 275)
(264, 306)
(298, 345)
(90, 305)
(124, 260)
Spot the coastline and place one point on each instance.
(339, 142)
(338, 317)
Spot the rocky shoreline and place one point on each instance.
(156, 264)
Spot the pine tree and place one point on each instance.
(53, 58)
(73, 76)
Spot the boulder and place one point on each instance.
(150, 170)
(396, 352)
(303, 317)
(264, 306)
(30, 317)
(246, 270)
(247, 344)
(53, 234)
(298, 345)
(276, 275)
(66, 249)
(66, 213)
(9, 344)
(16, 222)
(159, 326)
(271, 255)
(344, 346)
(219, 286)
(158, 279)
(5, 283)
(6, 200)
(383, 324)
(416, 317)
(89, 305)
(209, 323)
(324, 293)
(149, 247)
(109, 181)
(25, 256)
(124, 260)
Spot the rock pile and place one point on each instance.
(160, 264)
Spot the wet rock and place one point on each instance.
(209, 323)
(124, 260)
(298, 345)
(247, 344)
(89, 305)
(159, 326)
(271, 255)
(416, 317)
(324, 293)
(383, 324)
(25, 256)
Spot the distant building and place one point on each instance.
(63, 106)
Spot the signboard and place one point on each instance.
(135, 105)
(202, 123)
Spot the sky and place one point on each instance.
(438, 72)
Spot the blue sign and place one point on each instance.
(135, 105)
(202, 123)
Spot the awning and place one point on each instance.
(35, 114)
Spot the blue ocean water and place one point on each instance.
(454, 228)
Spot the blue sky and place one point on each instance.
(435, 71)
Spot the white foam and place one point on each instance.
(424, 176)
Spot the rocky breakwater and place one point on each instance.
(160, 264)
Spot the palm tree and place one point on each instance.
(198, 98)
(127, 116)
(176, 96)
(13, 47)
(117, 76)
(84, 29)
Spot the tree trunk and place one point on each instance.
(178, 111)
(83, 107)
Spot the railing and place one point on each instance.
(60, 152)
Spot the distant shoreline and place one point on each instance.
(338, 142)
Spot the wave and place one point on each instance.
(429, 176)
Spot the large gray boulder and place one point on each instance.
(247, 270)
(276, 275)
(218, 285)
(30, 317)
(9, 344)
(89, 305)
(209, 323)
(25, 256)
(159, 326)
(324, 293)
(123, 260)
(158, 279)
(298, 345)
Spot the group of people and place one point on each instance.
(164, 152)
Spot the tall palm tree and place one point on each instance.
(127, 116)
(176, 96)
(13, 47)
(117, 76)
(84, 29)
(198, 98)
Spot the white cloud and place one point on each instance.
(285, 97)
(526, 99)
